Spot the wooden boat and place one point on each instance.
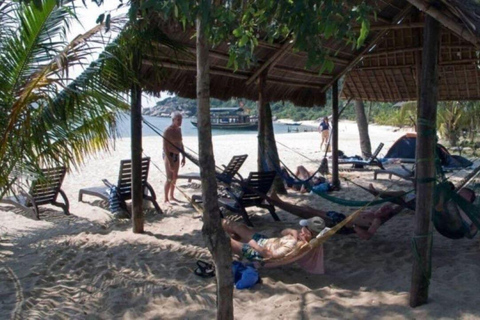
(231, 119)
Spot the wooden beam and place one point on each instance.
(446, 21)
(425, 164)
(287, 46)
(391, 52)
(393, 26)
(390, 4)
(236, 75)
(367, 48)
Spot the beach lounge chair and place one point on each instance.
(124, 186)
(361, 164)
(43, 190)
(224, 176)
(401, 172)
(257, 184)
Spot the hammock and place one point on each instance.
(448, 221)
(307, 248)
(340, 201)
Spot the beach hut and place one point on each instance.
(416, 50)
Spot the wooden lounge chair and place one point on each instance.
(43, 190)
(361, 164)
(224, 176)
(257, 184)
(124, 186)
(401, 172)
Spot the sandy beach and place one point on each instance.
(91, 266)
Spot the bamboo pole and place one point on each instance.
(425, 164)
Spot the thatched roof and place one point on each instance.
(390, 71)
(384, 69)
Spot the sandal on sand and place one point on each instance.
(205, 269)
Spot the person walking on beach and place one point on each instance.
(324, 129)
(172, 147)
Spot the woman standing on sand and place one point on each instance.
(172, 147)
(324, 129)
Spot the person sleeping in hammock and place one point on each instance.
(451, 221)
(303, 174)
(365, 225)
(256, 247)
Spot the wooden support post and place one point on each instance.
(136, 150)
(335, 116)
(262, 81)
(215, 238)
(425, 164)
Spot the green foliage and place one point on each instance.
(243, 23)
(46, 119)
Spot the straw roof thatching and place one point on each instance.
(390, 71)
(384, 69)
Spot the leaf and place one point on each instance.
(237, 32)
(100, 18)
(329, 29)
(38, 4)
(107, 23)
(243, 41)
(363, 33)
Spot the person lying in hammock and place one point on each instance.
(365, 225)
(303, 174)
(256, 247)
(449, 219)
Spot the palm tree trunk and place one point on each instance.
(261, 122)
(215, 238)
(136, 147)
(362, 124)
(271, 150)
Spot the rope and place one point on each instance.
(426, 272)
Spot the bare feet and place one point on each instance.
(175, 199)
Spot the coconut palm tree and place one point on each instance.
(46, 117)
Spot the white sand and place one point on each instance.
(88, 266)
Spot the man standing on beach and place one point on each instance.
(324, 129)
(172, 147)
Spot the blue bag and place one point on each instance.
(322, 187)
(245, 276)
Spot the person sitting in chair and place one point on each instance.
(256, 247)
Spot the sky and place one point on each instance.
(88, 16)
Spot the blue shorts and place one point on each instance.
(249, 253)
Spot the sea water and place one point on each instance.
(188, 129)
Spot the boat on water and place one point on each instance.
(231, 119)
(292, 123)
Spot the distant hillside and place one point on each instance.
(376, 112)
(188, 107)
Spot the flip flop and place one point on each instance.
(204, 269)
